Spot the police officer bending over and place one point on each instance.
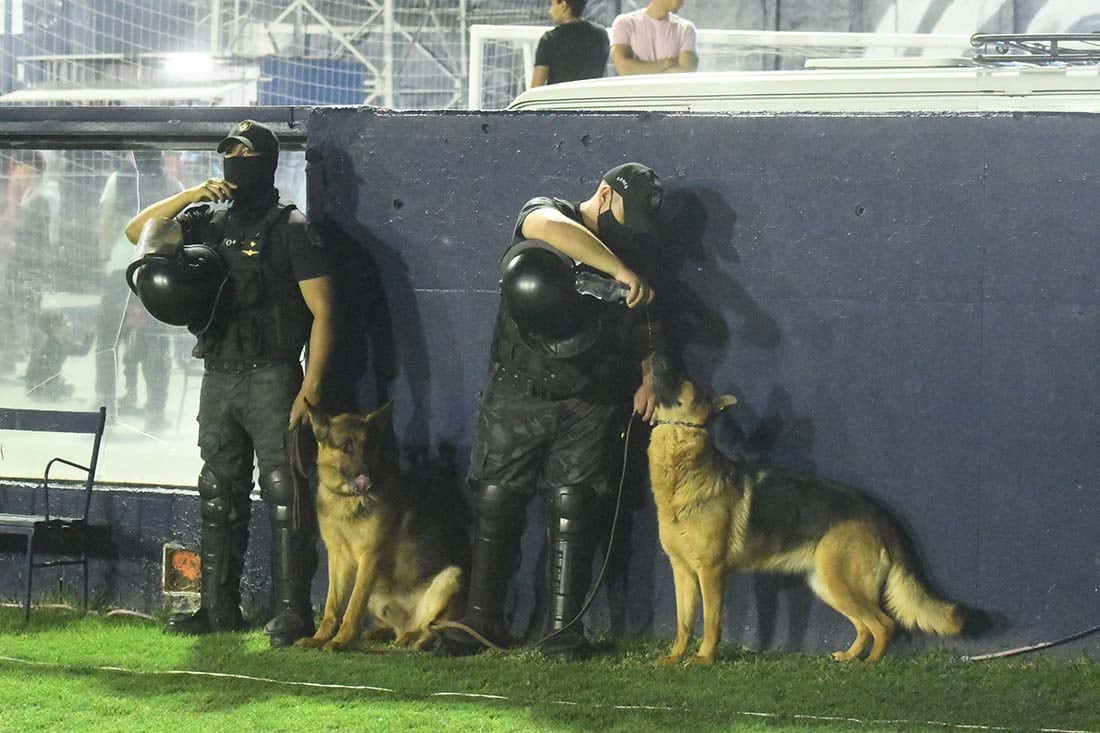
(548, 415)
(276, 295)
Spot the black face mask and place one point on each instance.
(616, 236)
(254, 177)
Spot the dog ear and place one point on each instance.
(319, 421)
(721, 403)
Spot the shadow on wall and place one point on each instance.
(698, 243)
(364, 336)
(373, 289)
(373, 352)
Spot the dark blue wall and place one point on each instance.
(908, 304)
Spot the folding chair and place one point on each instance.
(46, 525)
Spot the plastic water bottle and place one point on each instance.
(602, 288)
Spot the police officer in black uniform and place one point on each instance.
(276, 297)
(552, 405)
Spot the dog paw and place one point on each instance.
(310, 642)
(670, 661)
(334, 645)
(406, 638)
(700, 659)
(842, 656)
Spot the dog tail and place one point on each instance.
(915, 607)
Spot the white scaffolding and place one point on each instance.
(406, 50)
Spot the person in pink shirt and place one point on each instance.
(654, 40)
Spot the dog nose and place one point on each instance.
(362, 483)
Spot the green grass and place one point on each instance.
(60, 683)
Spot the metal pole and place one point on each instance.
(528, 65)
(463, 69)
(462, 35)
(215, 26)
(473, 100)
(236, 21)
(777, 64)
(387, 52)
(7, 83)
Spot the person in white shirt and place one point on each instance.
(654, 40)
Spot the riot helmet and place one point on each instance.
(538, 286)
(178, 284)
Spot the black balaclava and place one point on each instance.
(254, 176)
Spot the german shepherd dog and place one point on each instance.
(716, 515)
(386, 555)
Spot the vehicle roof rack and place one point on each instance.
(890, 62)
(1039, 49)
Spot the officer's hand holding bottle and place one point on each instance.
(641, 293)
(214, 190)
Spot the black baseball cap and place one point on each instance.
(641, 191)
(253, 136)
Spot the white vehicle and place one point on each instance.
(1049, 73)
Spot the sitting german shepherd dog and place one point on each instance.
(386, 556)
(715, 515)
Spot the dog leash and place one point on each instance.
(1033, 647)
(299, 477)
(440, 625)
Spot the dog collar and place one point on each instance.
(346, 494)
(681, 423)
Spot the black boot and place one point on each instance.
(293, 558)
(224, 537)
(501, 515)
(570, 570)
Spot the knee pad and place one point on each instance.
(210, 484)
(221, 501)
(499, 505)
(571, 508)
(277, 491)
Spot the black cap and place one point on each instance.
(253, 136)
(641, 191)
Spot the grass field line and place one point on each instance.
(196, 673)
(503, 698)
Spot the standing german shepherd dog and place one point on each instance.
(386, 556)
(715, 515)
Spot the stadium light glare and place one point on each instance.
(187, 64)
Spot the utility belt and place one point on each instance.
(542, 389)
(229, 366)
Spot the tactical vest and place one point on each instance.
(262, 316)
(593, 372)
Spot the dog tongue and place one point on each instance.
(362, 483)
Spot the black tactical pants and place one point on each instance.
(523, 440)
(240, 414)
(246, 413)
